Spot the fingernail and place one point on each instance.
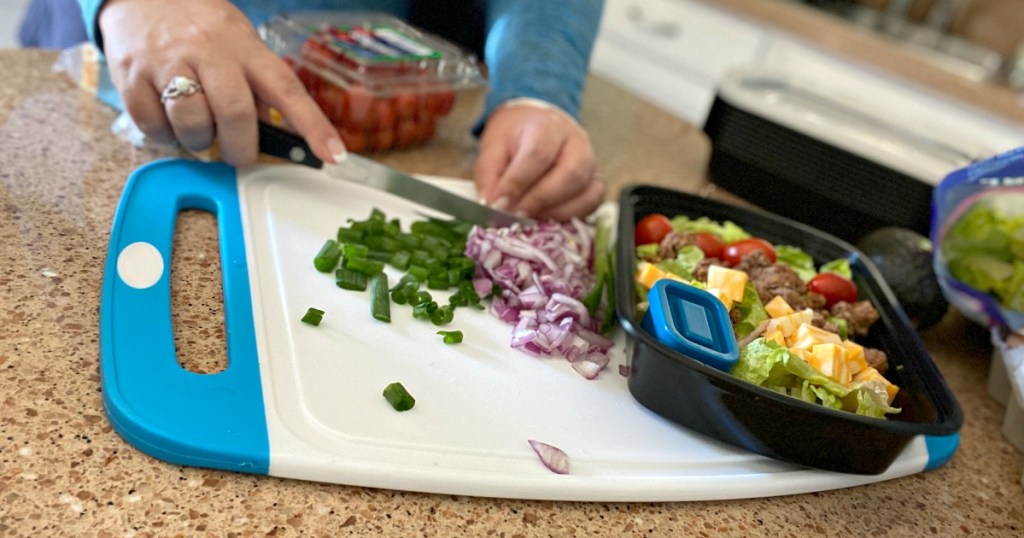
(337, 149)
(500, 204)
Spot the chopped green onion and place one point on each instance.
(383, 242)
(313, 316)
(421, 258)
(398, 397)
(424, 310)
(408, 241)
(451, 337)
(365, 266)
(350, 280)
(348, 235)
(380, 303)
(421, 296)
(354, 250)
(437, 283)
(380, 256)
(418, 272)
(443, 315)
(327, 259)
(400, 260)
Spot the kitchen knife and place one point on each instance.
(286, 145)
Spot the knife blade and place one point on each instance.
(278, 142)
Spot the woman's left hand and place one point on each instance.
(538, 162)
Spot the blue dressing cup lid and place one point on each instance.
(693, 322)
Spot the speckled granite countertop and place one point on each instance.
(64, 471)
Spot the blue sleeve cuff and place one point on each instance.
(91, 16)
(539, 49)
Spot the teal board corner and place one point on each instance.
(208, 420)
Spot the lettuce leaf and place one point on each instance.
(684, 263)
(767, 364)
(840, 267)
(797, 259)
(869, 398)
(751, 311)
(727, 231)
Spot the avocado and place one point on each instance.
(904, 258)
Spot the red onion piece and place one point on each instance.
(552, 457)
(543, 272)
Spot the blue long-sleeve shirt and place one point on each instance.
(532, 48)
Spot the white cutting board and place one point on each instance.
(305, 402)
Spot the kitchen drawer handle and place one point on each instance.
(659, 28)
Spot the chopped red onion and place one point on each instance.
(552, 457)
(543, 272)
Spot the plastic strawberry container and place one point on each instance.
(383, 83)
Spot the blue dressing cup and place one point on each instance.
(693, 322)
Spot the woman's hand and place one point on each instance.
(149, 42)
(537, 162)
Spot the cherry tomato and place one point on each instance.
(407, 132)
(835, 288)
(360, 109)
(446, 100)
(355, 141)
(384, 114)
(427, 128)
(652, 229)
(734, 252)
(406, 105)
(383, 139)
(332, 101)
(710, 244)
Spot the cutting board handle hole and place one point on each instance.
(197, 294)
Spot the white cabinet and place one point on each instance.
(672, 52)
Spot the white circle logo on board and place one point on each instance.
(140, 265)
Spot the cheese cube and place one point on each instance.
(776, 336)
(788, 324)
(855, 359)
(807, 336)
(647, 274)
(721, 296)
(804, 354)
(830, 359)
(778, 307)
(870, 374)
(730, 281)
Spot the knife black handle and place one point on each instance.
(278, 142)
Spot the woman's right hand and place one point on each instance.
(149, 42)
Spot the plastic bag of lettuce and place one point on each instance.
(978, 231)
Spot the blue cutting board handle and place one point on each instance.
(206, 420)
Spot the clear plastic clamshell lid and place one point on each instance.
(370, 49)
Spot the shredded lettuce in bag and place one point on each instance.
(985, 249)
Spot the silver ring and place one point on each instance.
(178, 87)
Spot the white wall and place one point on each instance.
(11, 12)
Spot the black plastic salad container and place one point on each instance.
(716, 404)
